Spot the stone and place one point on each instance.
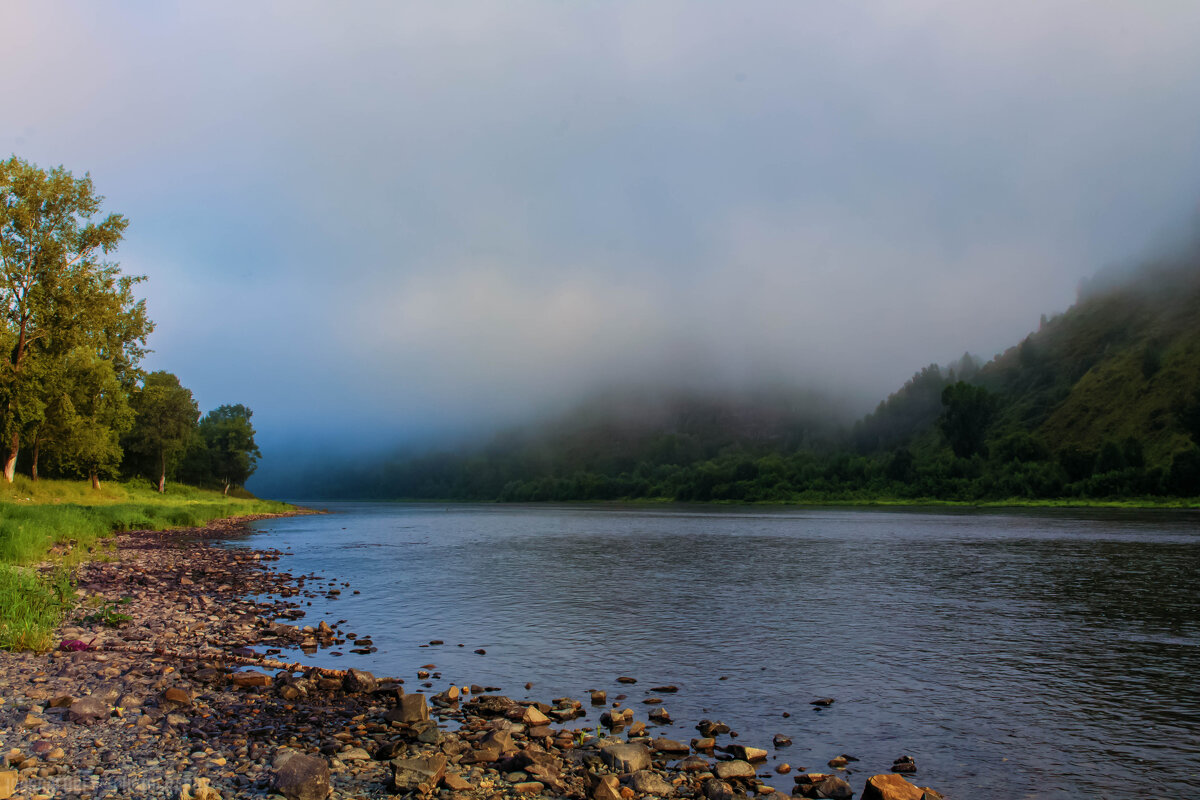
(176, 697)
(528, 787)
(534, 718)
(599, 698)
(626, 757)
(357, 680)
(408, 774)
(88, 710)
(354, 754)
(715, 789)
(784, 768)
(250, 679)
(626, 679)
(822, 701)
(410, 709)
(781, 741)
(725, 770)
(660, 716)
(837, 762)
(648, 782)
(747, 753)
(33, 722)
(669, 746)
(904, 764)
(705, 745)
(8, 783)
(297, 776)
(607, 788)
(693, 764)
(895, 787)
(456, 783)
(830, 787)
(62, 701)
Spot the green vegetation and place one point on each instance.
(73, 402)
(65, 522)
(1100, 406)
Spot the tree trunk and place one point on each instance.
(10, 464)
(37, 447)
(95, 476)
(225, 490)
(162, 479)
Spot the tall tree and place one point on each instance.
(56, 293)
(88, 417)
(166, 418)
(229, 439)
(968, 412)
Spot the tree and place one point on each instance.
(229, 439)
(166, 418)
(56, 294)
(968, 412)
(89, 417)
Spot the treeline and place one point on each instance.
(73, 400)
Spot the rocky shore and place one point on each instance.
(172, 681)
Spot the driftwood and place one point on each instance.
(220, 655)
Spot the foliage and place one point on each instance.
(166, 418)
(969, 411)
(224, 452)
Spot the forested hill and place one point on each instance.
(1103, 401)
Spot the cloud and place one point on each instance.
(394, 217)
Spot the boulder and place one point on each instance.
(894, 787)
(88, 710)
(410, 709)
(827, 786)
(357, 681)
(747, 753)
(409, 774)
(297, 776)
(534, 718)
(626, 757)
(607, 787)
(647, 782)
(8, 783)
(715, 789)
(726, 770)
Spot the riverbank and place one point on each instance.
(149, 696)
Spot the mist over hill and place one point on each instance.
(1102, 401)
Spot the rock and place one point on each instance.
(781, 741)
(626, 679)
(250, 679)
(88, 710)
(648, 782)
(705, 745)
(62, 701)
(904, 764)
(837, 762)
(725, 770)
(784, 768)
(599, 698)
(693, 764)
(300, 777)
(176, 697)
(8, 783)
(354, 754)
(715, 789)
(33, 722)
(708, 728)
(822, 701)
(747, 753)
(528, 787)
(359, 681)
(408, 774)
(534, 718)
(665, 689)
(829, 787)
(201, 791)
(894, 787)
(669, 746)
(456, 783)
(626, 757)
(607, 788)
(410, 709)
(660, 716)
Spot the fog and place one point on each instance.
(377, 223)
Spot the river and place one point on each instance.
(1011, 654)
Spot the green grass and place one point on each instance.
(64, 522)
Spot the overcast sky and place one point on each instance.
(391, 216)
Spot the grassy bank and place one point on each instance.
(63, 522)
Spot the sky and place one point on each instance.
(372, 222)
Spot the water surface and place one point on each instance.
(1013, 655)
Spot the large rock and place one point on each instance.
(626, 757)
(409, 774)
(648, 782)
(359, 681)
(250, 679)
(410, 709)
(727, 770)
(607, 788)
(8, 783)
(715, 789)
(894, 787)
(297, 776)
(827, 786)
(747, 753)
(670, 746)
(88, 710)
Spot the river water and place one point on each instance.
(1012, 655)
